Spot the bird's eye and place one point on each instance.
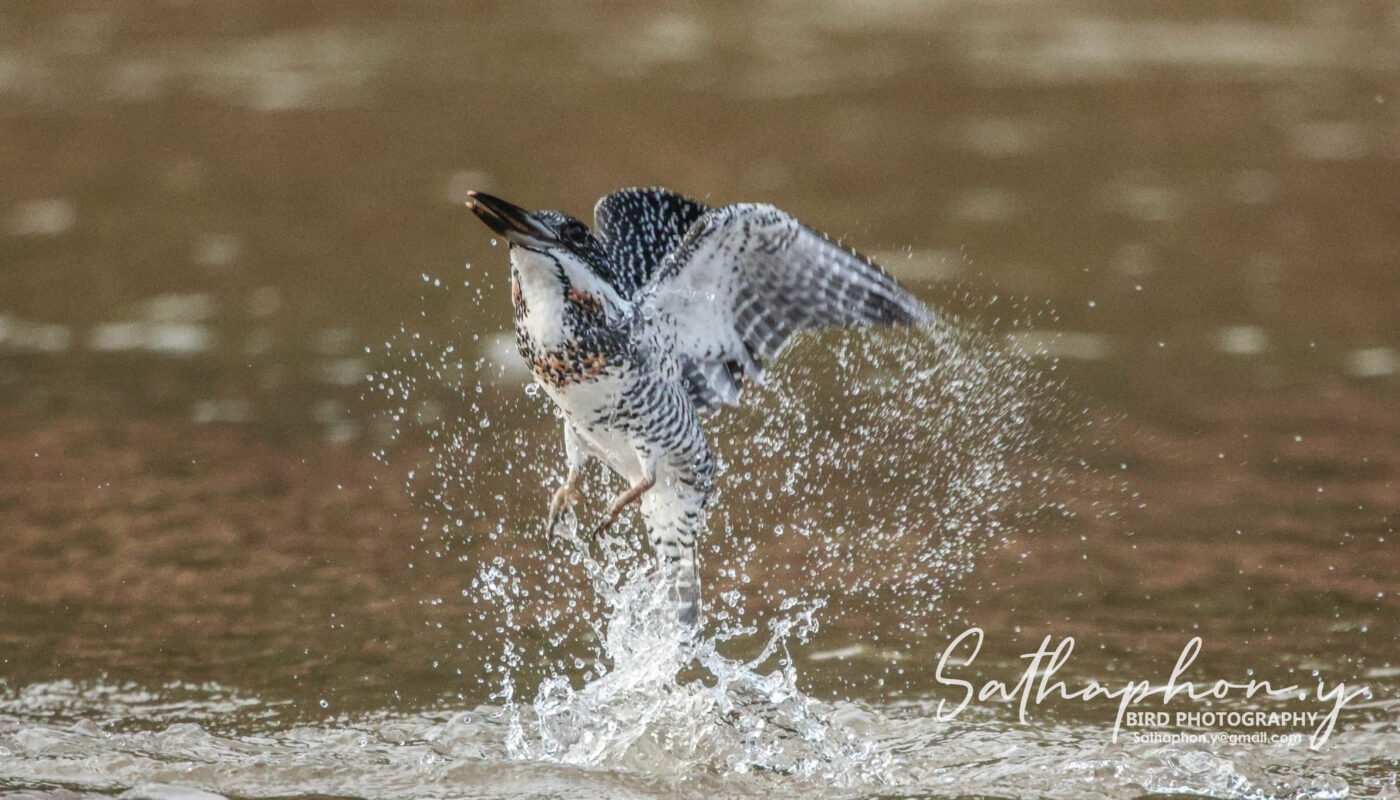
(575, 234)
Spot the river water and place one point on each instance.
(271, 483)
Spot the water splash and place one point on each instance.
(869, 474)
(638, 710)
(896, 458)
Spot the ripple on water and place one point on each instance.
(468, 754)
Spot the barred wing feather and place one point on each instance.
(743, 281)
(638, 228)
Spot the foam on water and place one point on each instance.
(181, 742)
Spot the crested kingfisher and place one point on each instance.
(660, 314)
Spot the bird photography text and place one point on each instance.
(1037, 685)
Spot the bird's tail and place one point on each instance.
(674, 522)
(680, 572)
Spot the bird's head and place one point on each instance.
(544, 242)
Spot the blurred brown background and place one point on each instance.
(214, 215)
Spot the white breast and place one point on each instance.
(544, 309)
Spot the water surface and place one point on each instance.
(231, 563)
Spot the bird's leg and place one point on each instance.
(632, 495)
(568, 494)
(564, 497)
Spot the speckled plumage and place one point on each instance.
(661, 314)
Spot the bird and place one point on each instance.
(663, 313)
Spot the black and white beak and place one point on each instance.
(516, 224)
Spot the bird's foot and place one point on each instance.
(623, 500)
(564, 499)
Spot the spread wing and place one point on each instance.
(745, 279)
(639, 227)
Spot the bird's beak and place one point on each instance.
(509, 220)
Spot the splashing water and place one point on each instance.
(636, 712)
(867, 475)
